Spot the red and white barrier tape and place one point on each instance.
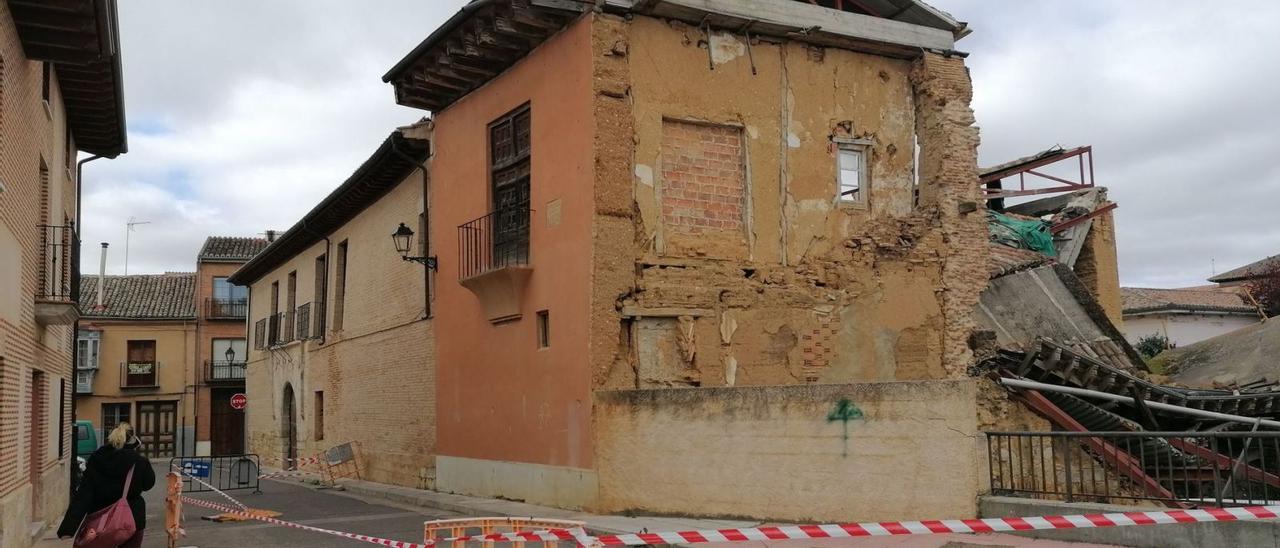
(352, 536)
(182, 472)
(288, 474)
(805, 532)
(301, 461)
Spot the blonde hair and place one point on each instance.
(120, 435)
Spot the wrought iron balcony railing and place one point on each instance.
(224, 371)
(228, 309)
(494, 241)
(139, 374)
(59, 258)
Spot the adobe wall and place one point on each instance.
(906, 449)
(1099, 269)
(722, 254)
(377, 373)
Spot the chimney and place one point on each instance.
(271, 235)
(102, 276)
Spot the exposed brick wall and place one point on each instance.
(948, 142)
(32, 134)
(703, 177)
(1098, 268)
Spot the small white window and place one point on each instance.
(851, 165)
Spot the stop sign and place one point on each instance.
(238, 401)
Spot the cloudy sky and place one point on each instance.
(244, 113)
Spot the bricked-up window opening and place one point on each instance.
(70, 157)
(544, 328)
(510, 143)
(340, 285)
(140, 369)
(703, 178)
(318, 412)
(320, 289)
(291, 308)
(851, 168)
(45, 76)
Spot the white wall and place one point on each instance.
(1183, 329)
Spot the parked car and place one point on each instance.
(86, 444)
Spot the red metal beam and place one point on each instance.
(1077, 220)
(1121, 461)
(1224, 461)
(1014, 170)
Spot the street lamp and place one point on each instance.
(403, 240)
(231, 355)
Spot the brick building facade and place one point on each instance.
(341, 342)
(59, 94)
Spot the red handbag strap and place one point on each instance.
(128, 480)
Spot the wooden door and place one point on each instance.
(226, 425)
(157, 428)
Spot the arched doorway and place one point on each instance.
(289, 428)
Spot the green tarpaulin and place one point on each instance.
(1033, 234)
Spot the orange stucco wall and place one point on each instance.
(501, 397)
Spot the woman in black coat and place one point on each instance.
(104, 480)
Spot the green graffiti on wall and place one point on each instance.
(844, 412)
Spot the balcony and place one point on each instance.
(226, 309)
(302, 322)
(139, 374)
(59, 278)
(220, 371)
(493, 260)
(84, 380)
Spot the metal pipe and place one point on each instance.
(1032, 385)
(102, 275)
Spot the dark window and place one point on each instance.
(509, 155)
(64, 408)
(275, 314)
(340, 285)
(45, 75)
(544, 328)
(290, 307)
(229, 300)
(319, 415)
(112, 415)
(322, 273)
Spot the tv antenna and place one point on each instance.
(133, 221)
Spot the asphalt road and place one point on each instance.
(322, 508)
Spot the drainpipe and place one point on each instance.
(75, 325)
(426, 229)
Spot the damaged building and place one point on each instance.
(713, 257)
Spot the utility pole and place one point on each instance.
(133, 221)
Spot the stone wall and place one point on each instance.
(874, 451)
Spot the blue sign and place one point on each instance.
(195, 468)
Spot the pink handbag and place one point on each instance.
(111, 526)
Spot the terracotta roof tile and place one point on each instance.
(1007, 260)
(1141, 299)
(1248, 271)
(230, 249)
(147, 296)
